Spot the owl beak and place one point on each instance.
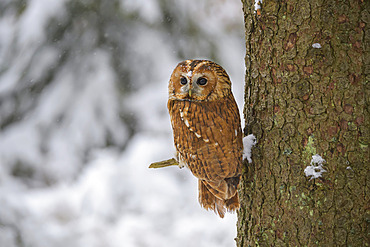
(189, 93)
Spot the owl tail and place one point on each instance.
(223, 197)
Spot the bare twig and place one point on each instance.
(164, 163)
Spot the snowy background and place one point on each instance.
(83, 92)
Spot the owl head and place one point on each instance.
(199, 80)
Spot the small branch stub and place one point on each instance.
(164, 163)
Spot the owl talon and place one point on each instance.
(165, 163)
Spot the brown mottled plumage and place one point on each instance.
(207, 133)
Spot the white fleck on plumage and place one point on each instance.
(236, 133)
(189, 74)
(186, 122)
(182, 118)
(206, 140)
(181, 161)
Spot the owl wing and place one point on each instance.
(208, 137)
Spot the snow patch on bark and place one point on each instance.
(315, 170)
(257, 4)
(248, 142)
(316, 45)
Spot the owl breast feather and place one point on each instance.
(208, 137)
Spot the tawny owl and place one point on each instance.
(207, 133)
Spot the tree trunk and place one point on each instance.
(307, 94)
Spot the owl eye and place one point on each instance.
(202, 81)
(183, 81)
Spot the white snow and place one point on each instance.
(257, 4)
(316, 169)
(147, 9)
(248, 142)
(316, 45)
(61, 184)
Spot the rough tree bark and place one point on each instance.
(301, 101)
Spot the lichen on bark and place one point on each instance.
(301, 100)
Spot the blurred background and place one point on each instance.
(83, 93)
